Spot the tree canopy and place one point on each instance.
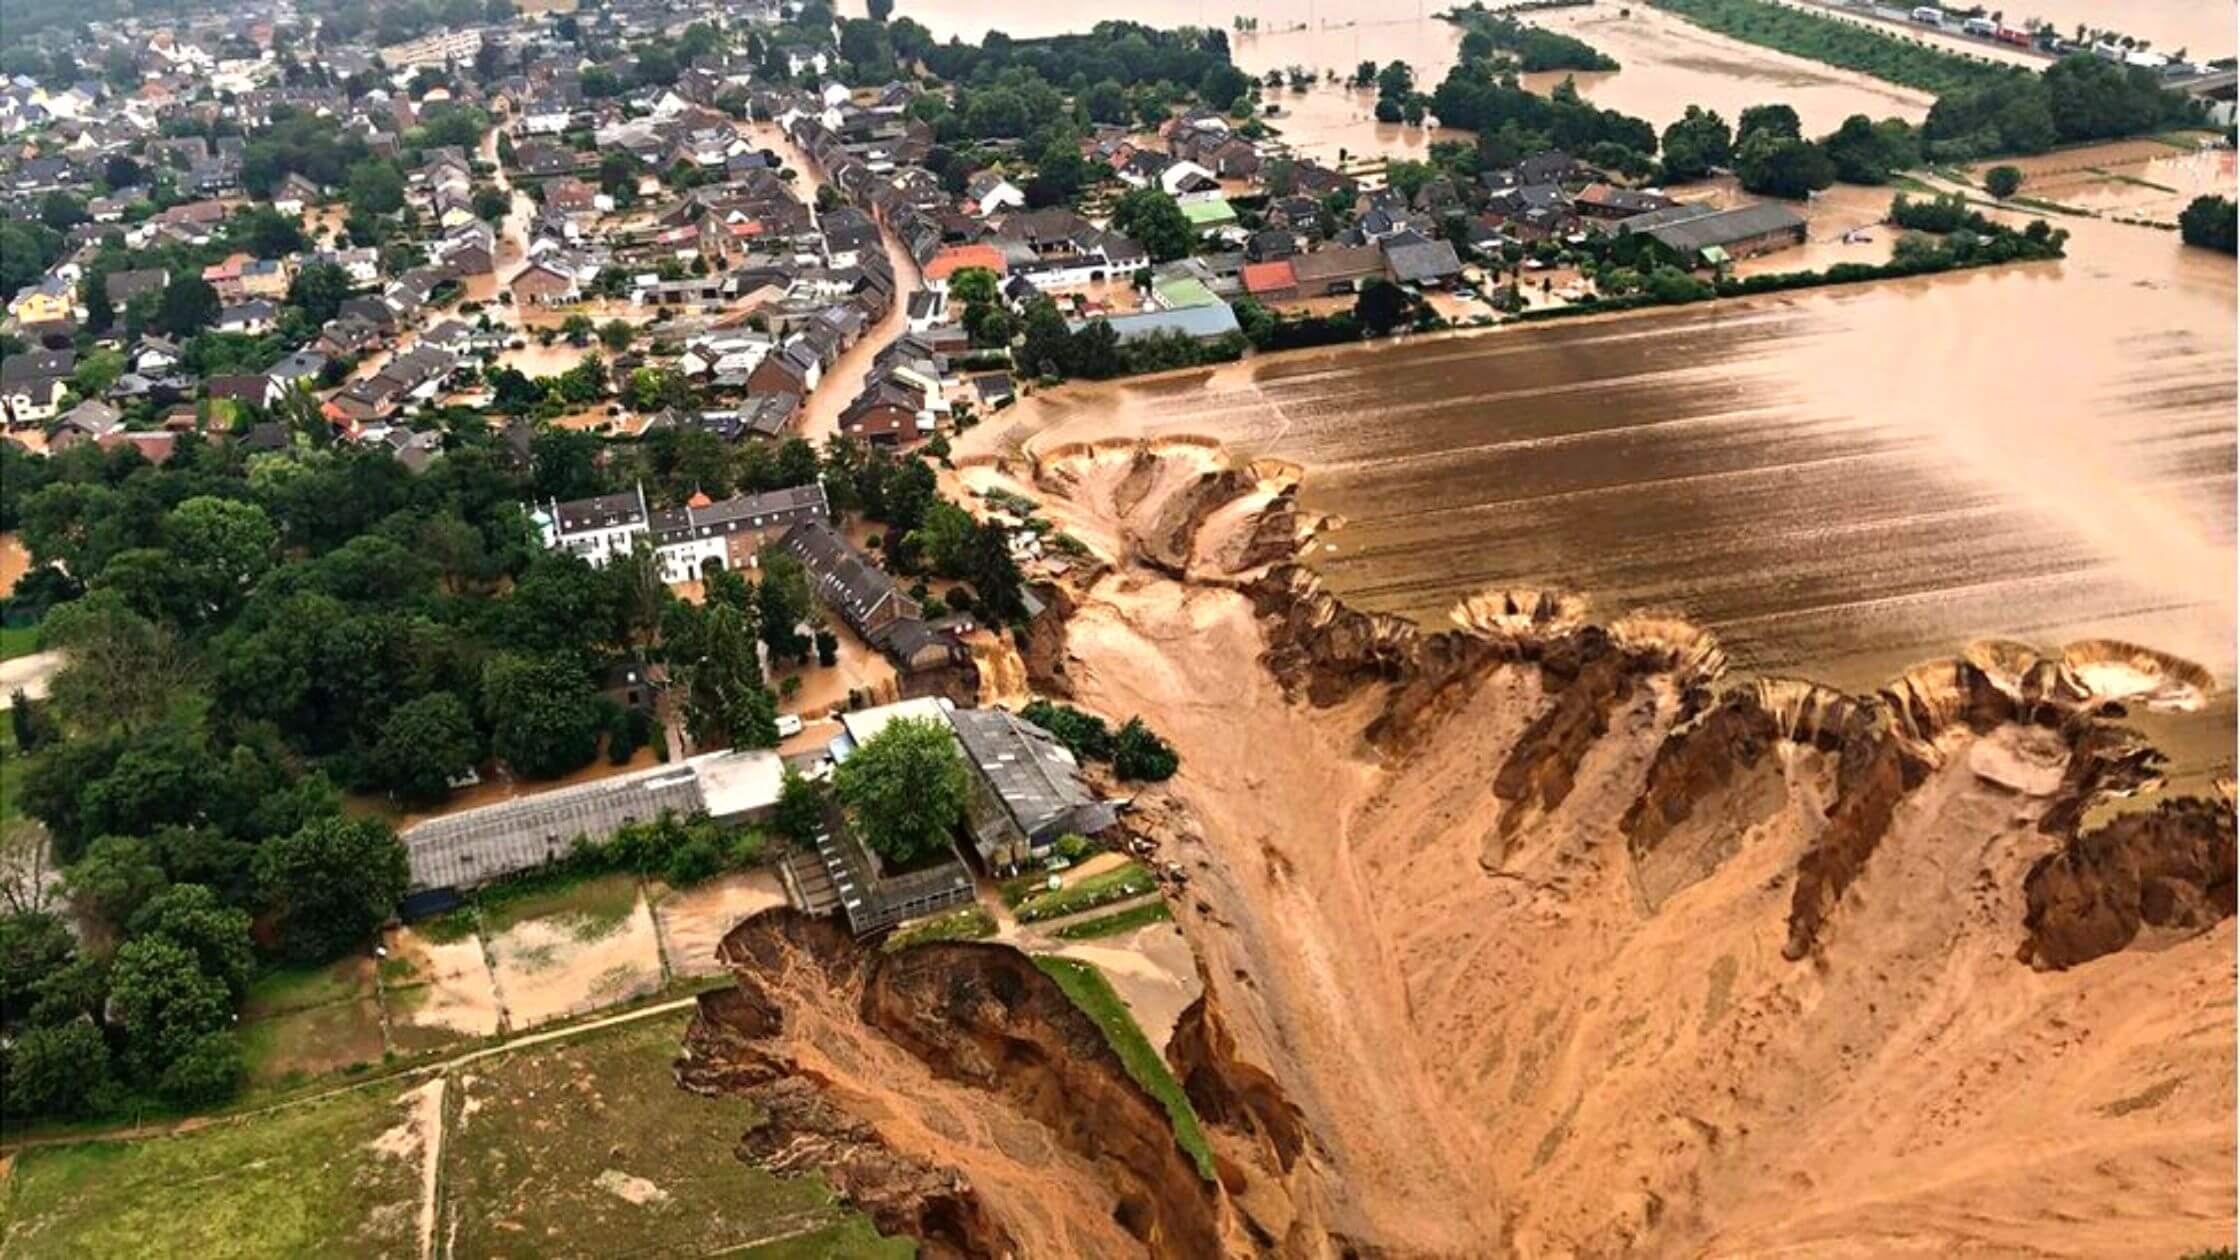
(904, 789)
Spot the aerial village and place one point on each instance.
(494, 469)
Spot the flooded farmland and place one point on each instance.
(1839, 483)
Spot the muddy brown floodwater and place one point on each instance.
(1838, 483)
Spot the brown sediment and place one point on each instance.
(952, 1091)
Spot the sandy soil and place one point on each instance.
(546, 968)
(448, 993)
(693, 921)
(1506, 1039)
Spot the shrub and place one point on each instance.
(1138, 754)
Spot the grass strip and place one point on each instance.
(1126, 920)
(1095, 996)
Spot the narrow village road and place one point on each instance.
(820, 413)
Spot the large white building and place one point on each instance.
(688, 541)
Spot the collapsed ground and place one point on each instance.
(1537, 931)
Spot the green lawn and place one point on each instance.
(18, 641)
(309, 1181)
(1117, 884)
(589, 1148)
(969, 924)
(1127, 920)
(1094, 995)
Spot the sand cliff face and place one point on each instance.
(1538, 936)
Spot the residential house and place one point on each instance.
(33, 382)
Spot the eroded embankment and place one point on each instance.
(1558, 941)
(954, 1093)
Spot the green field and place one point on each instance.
(1117, 884)
(308, 1181)
(554, 1144)
(301, 1022)
(1113, 924)
(580, 1147)
(1094, 995)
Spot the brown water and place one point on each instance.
(1839, 483)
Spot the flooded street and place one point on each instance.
(1839, 483)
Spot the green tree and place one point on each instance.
(1138, 754)
(782, 603)
(1779, 121)
(1381, 307)
(34, 944)
(375, 188)
(223, 546)
(319, 290)
(332, 882)
(1779, 167)
(543, 714)
(164, 1001)
(215, 933)
(615, 335)
(2003, 181)
(904, 789)
(800, 812)
(187, 306)
(57, 1071)
(1154, 221)
(2211, 222)
(1697, 142)
(208, 1072)
(117, 875)
(423, 743)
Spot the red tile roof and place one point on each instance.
(1269, 277)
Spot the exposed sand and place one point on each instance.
(545, 969)
(694, 921)
(1504, 1041)
(1152, 970)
